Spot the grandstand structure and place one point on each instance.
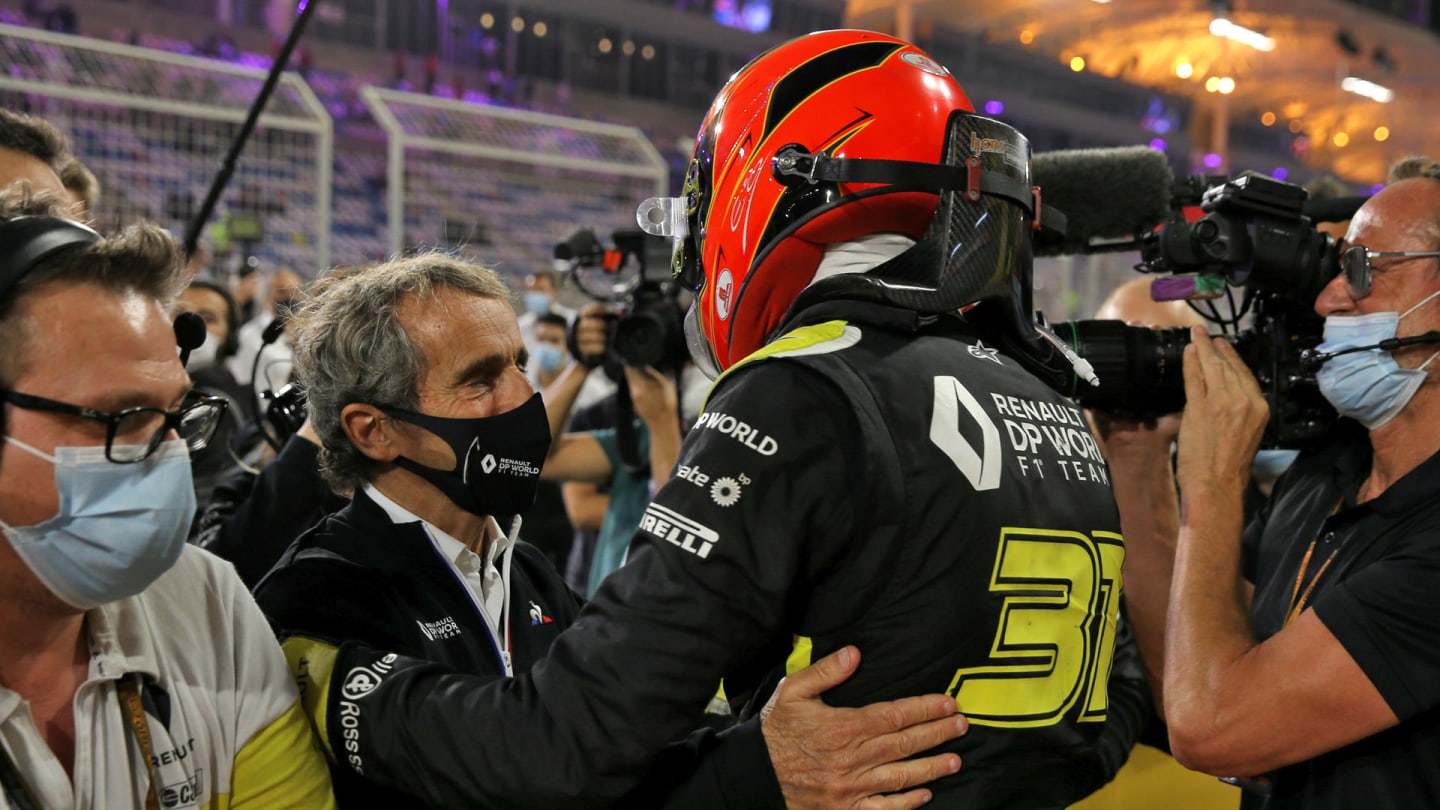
(153, 126)
(502, 184)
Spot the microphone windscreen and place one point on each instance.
(1110, 197)
(189, 331)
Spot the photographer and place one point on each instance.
(595, 457)
(1326, 672)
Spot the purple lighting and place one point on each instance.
(1375, 189)
(301, 8)
(1212, 161)
(1280, 173)
(1158, 144)
(994, 107)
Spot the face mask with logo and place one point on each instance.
(119, 526)
(1368, 386)
(536, 302)
(497, 458)
(204, 355)
(549, 357)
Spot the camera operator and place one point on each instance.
(1326, 672)
(594, 456)
(133, 668)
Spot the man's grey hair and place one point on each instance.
(350, 346)
(143, 259)
(1413, 166)
(35, 137)
(1419, 166)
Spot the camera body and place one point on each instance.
(1250, 232)
(648, 327)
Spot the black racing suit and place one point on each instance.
(873, 477)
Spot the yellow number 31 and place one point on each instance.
(1056, 636)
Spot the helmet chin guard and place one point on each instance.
(977, 251)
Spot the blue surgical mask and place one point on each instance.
(536, 302)
(1367, 386)
(1270, 464)
(549, 357)
(119, 527)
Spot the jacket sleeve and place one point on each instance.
(759, 504)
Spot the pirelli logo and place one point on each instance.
(679, 530)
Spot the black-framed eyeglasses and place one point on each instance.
(1355, 264)
(133, 434)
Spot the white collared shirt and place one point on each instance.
(482, 577)
(231, 728)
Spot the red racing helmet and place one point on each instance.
(747, 238)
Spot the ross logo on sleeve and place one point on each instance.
(679, 530)
(359, 682)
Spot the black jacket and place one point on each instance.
(356, 576)
(874, 477)
(251, 520)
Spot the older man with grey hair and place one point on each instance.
(415, 373)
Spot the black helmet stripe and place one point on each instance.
(802, 82)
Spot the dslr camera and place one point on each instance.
(1251, 232)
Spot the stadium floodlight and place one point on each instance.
(1368, 89)
(1223, 27)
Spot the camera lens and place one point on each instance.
(1140, 369)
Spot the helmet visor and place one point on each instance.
(700, 349)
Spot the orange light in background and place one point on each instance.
(1382, 133)
(1226, 85)
(517, 24)
(1184, 70)
(1027, 36)
(1212, 84)
(1296, 125)
(1268, 119)
(1077, 63)
(1340, 139)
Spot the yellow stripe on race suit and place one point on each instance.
(311, 662)
(800, 655)
(280, 767)
(805, 340)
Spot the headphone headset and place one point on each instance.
(30, 240)
(231, 345)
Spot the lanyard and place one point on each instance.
(134, 708)
(1298, 599)
(19, 797)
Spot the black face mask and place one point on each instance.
(497, 458)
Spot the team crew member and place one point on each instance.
(872, 469)
(1330, 672)
(135, 671)
(415, 376)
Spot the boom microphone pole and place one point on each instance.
(227, 168)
